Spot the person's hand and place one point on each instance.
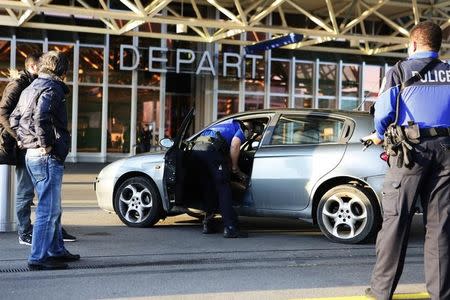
(374, 137)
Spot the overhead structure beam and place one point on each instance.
(363, 16)
(332, 16)
(238, 16)
(311, 17)
(416, 12)
(389, 22)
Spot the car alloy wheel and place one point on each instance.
(138, 203)
(347, 214)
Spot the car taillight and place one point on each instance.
(384, 156)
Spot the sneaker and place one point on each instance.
(68, 237)
(25, 239)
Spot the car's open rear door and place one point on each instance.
(174, 169)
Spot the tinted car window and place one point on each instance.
(294, 129)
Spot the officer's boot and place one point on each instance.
(208, 223)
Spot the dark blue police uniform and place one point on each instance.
(211, 153)
(426, 103)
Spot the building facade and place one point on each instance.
(119, 106)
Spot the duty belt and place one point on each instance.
(434, 131)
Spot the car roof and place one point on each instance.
(347, 113)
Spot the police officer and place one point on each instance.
(425, 106)
(216, 153)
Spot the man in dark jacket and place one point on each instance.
(11, 156)
(8, 144)
(40, 121)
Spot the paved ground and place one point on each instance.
(280, 260)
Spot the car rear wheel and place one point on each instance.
(138, 203)
(347, 214)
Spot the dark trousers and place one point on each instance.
(214, 180)
(429, 178)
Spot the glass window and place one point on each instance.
(350, 81)
(254, 102)
(177, 107)
(294, 130)
(304, 78)
(279, 101)
(372, 83)
(255, 84)
(231, 81)
(303, 102)
(327, 80)
(148, 107)
(89, 118)
(279, 82)
(68, 51)
(22, 51)
(5, 58)
(328, 103)
(91, 65)
(117, 76)
(227, 104)
(145, 77)
(119, 116)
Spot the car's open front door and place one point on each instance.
(174, 170)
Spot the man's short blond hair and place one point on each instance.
(54, 63)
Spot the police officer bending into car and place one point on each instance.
(415, 129)
(216, 152)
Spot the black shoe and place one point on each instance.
(66, 257)
(47, 265)
(369, 294)
(68, 237)
(207, 228)
(208, 224)
(25, 239)
(233, 232)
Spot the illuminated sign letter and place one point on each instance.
(254, 58)
(206, 68)
(135, 57)
(180, 61)
(227, 64)
(152, 58)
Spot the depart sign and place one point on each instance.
(187, 57)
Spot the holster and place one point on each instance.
(399, 141)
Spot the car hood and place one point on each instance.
(137, 162)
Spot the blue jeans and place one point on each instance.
(24, 199)
(46, 174)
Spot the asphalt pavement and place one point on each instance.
(281, 259)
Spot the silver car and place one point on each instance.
(302, 164)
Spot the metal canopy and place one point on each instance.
(367, 27)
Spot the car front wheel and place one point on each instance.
(138, 203)
(347, 214)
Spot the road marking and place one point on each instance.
(396, 296)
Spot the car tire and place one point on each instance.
(138, 203)
(348, 214)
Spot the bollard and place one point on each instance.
(7, 218)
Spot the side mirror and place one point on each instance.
(166, 142)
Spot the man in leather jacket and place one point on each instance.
(40, 121)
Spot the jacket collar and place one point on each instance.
(55, 79)
(424, 54)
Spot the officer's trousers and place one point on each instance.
(214, 178)
(429, 178)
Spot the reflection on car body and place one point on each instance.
(304, 164)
